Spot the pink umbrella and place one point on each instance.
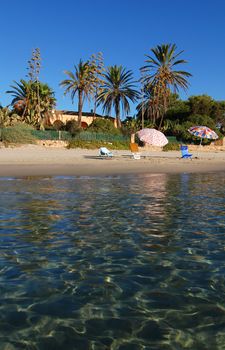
(152, 137)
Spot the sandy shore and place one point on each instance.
(33, 160)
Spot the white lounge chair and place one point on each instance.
(104, 152)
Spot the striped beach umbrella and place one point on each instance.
(152, 137)
(203, 132)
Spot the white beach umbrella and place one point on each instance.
(152, 137)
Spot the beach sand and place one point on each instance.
(35, 160)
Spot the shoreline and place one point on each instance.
(33, 160)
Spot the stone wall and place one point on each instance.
(210, 148)
(52, 143)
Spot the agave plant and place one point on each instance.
(4, 117)
(7, 117)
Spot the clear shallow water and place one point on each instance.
(113, 263)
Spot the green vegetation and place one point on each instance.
(117, 90)
(103, 126)
(58, 125)
(32, 99)
(159, 77)
(97, 144)
(171, 146)
(84, 81)
(73, 127)
(197, 110)
(7, 117)
(17, 134)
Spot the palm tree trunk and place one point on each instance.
(118, 121)
(132, 137)
(165, 104)
(117, 109)
(80, 106)
(161, 120)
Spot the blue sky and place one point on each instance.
(123, 30)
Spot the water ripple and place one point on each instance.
(121, 262)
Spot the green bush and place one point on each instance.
(97, 144)
(58, 125)
(198, 119)
(172, 146)
(103, 126)
(73, 127)
(83, 144)
(181, 130)
(18, 134)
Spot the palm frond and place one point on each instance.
(118, 88)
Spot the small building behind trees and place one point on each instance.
(64, 116)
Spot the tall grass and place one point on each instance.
(17, 134)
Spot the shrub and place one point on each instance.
(198, 119)
(23, 127)
(18, 134)
(97, 144)
(172, 146)
(4, 117)
(130, 126)
(103, 126)
(72, 127)
(58, 125)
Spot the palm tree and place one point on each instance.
(80, 82)
(32, 100)
(20, 94)
(148, 109)
(159, 75)
(117, 90)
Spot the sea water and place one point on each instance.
(122, 262)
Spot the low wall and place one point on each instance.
(192, 148)
(52, 143)
(210, 148)
(151, 148)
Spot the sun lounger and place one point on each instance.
(104, 152)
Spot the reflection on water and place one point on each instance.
(113, 262)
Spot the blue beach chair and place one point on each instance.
(184, 152)
(104, 152)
